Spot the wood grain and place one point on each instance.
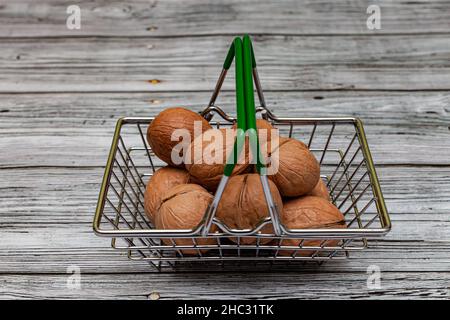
(193, 64)
(414, 109)
(394, 285)
(180, 18)
(203, 78)
(113, 53)
(101, 259)
(62, 90)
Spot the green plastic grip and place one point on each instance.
(250, 101)
(242, 52)
(230, 56)
(240, 106)
(240, 85)
(248, 84)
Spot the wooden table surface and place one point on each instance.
(62, 90)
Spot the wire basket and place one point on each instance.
(346, 167)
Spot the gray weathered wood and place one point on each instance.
(413, 109)
(181, 18)
(395, 285)
(103, 260)
(103, 53)
(62, 90)
(360, 62)
(203, 78)
(189, 64)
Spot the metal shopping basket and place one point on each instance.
(346, 166)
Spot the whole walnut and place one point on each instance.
(320, 190)
(296, 170)
(243, 205)
(310, 212)
(207, 156)
(183, 207)
(162, 181)
(159, 133)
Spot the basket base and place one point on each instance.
(237, 266)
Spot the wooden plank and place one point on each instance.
(395, 285)
(192, 64)
(203, 78)
(415, 109)
(395, 257)
(178, 18)
(104, 53)
(63, 136)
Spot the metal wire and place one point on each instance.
(345, 165)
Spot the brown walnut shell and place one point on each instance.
(207, 155)
(160, 131)
(320, 190)
(183, 207)
(298, 170)
(162, 181)
(310, 212)
(243, 205)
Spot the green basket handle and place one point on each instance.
(249, 64)
(230, 56)
(231, 53)
(242, 51)
(236, 52)
(245, 66)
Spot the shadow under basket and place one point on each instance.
(347, 169)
